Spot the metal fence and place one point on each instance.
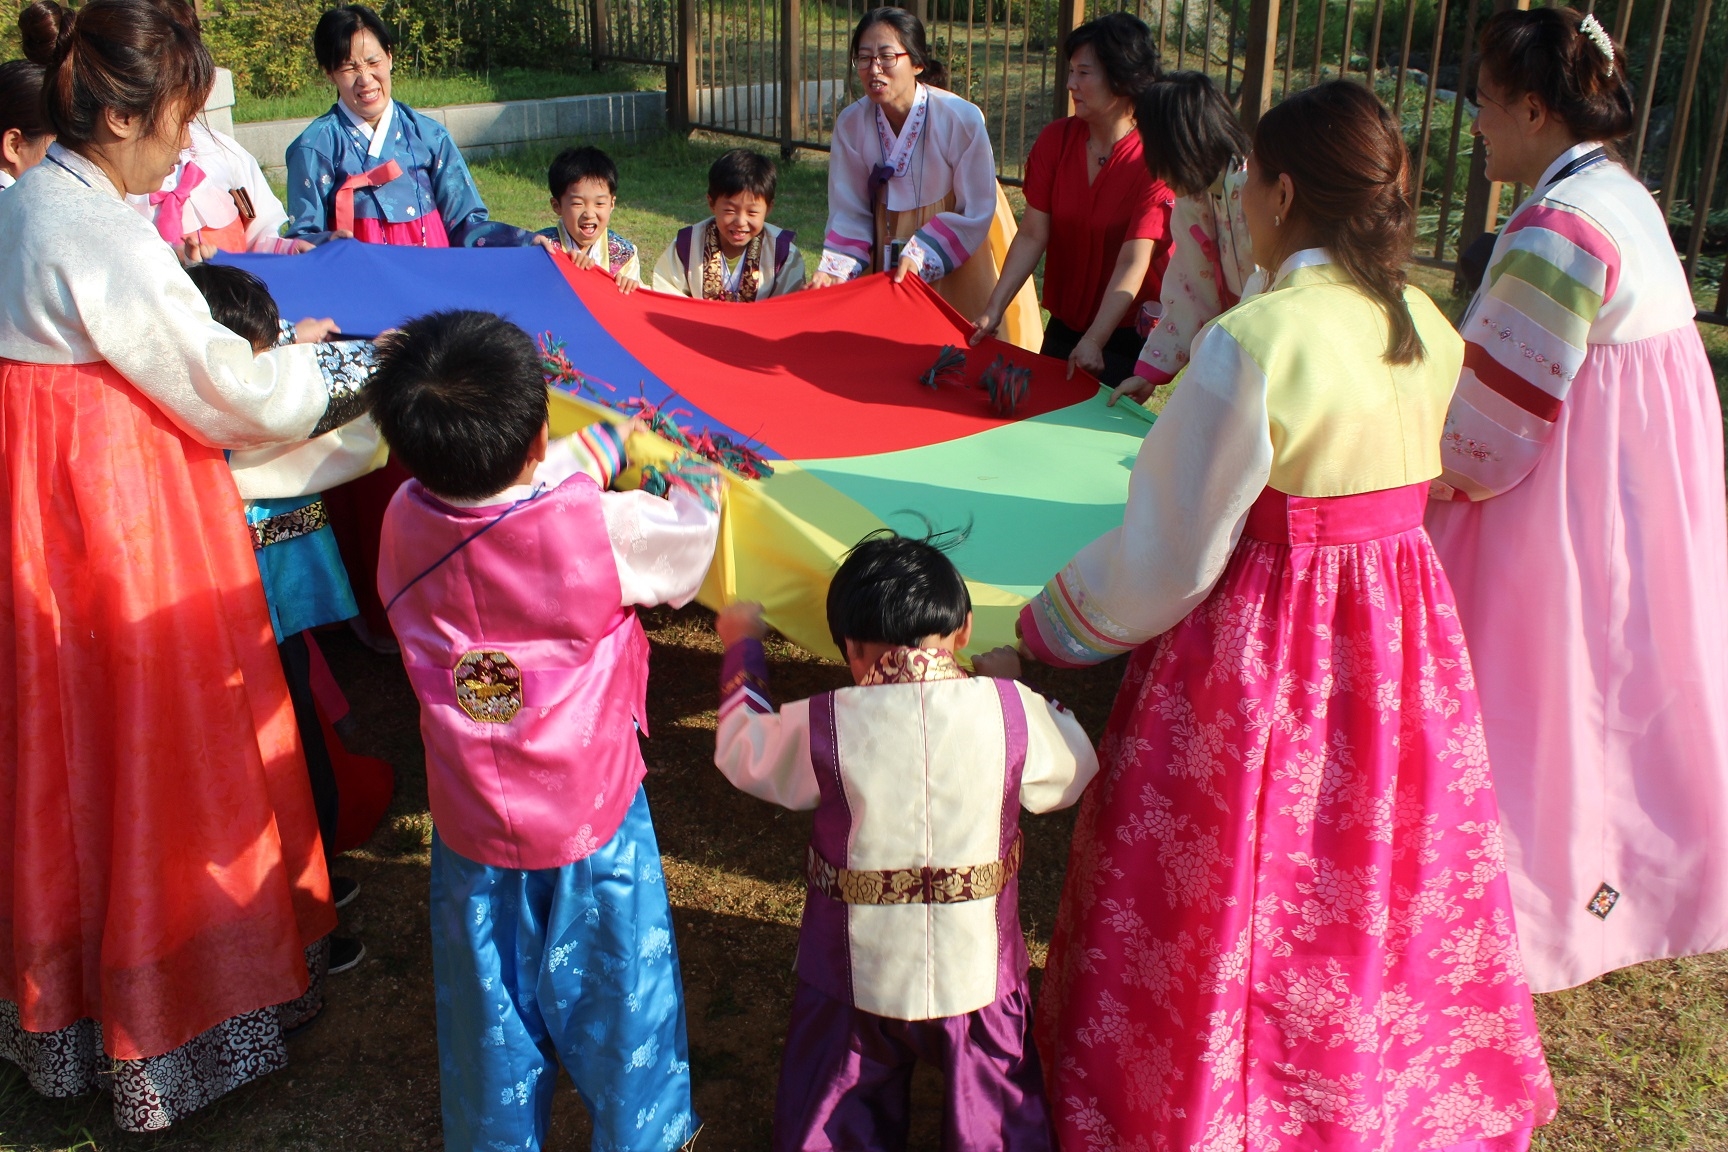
(778, 71)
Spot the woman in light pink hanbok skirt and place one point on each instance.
(1587, 536)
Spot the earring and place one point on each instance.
(1277, 220)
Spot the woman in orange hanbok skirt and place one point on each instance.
(163, 898)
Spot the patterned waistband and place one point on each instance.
(302, 521)
(914, 885)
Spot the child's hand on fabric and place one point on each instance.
(909, 265)
(822, 280)
(310, 331)
(547, 243)
(1136, 388)
(741, 620)
(300, 247)
(626, 285)
(193, 250)
(999, 663)
(581, 259)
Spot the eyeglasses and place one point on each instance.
(887, 60)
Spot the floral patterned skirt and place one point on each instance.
(1286, 923)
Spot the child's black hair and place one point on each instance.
(584, 163)
(333, 38)
(459, 397)
(741, 170)
(21, 99)
(1188, 131)
(239, 302)
(894, 589)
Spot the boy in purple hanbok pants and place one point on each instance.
(910, 947)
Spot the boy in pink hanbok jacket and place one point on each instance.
(910, 948)
(511, 575)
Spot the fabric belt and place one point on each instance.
(1331, 520)
(914, 885)
(302, 521)
(376, 178)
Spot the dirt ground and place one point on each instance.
(1639, 1056)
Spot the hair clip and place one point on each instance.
(1592, 27)
(949, 368)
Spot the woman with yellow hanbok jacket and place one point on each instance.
(1286, 922)
(912, 181)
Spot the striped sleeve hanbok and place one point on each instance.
(1584, 533)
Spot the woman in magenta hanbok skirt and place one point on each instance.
(1286, 924)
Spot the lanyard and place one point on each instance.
(1576, 166)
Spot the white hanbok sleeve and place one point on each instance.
(309, 466)
(632, 269)
(1199, 470)
(145, 318)
(1060, 760)
(788, 277)
(851, 218)
(949, 238)
(761, 751)
(663, 545)
(669, 274)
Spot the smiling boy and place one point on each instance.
(584, 186)
(735, 255)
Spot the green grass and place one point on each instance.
(462, 88)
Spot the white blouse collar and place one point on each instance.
(87, 172)
(6, 179)
(1306, 258)
(376, 136)
(1564, 159)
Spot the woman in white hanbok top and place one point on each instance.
(163, 898)
(912, 181)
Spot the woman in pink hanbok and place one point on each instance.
(1286, 925)
(1584, 527)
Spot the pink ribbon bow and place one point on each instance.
(171, 206)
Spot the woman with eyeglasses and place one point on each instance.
(1581, 520)
(912, 180)
(1097, 217)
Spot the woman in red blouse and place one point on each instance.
(1092, 210)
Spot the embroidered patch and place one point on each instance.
(488, 687)
(1603, 902)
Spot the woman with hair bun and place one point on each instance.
(1284, 922)
(1583, 526)
(24, 131)
(164, 905)
(912, 179)
(1097, 217)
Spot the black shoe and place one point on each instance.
(345, 953)
(343, 889)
